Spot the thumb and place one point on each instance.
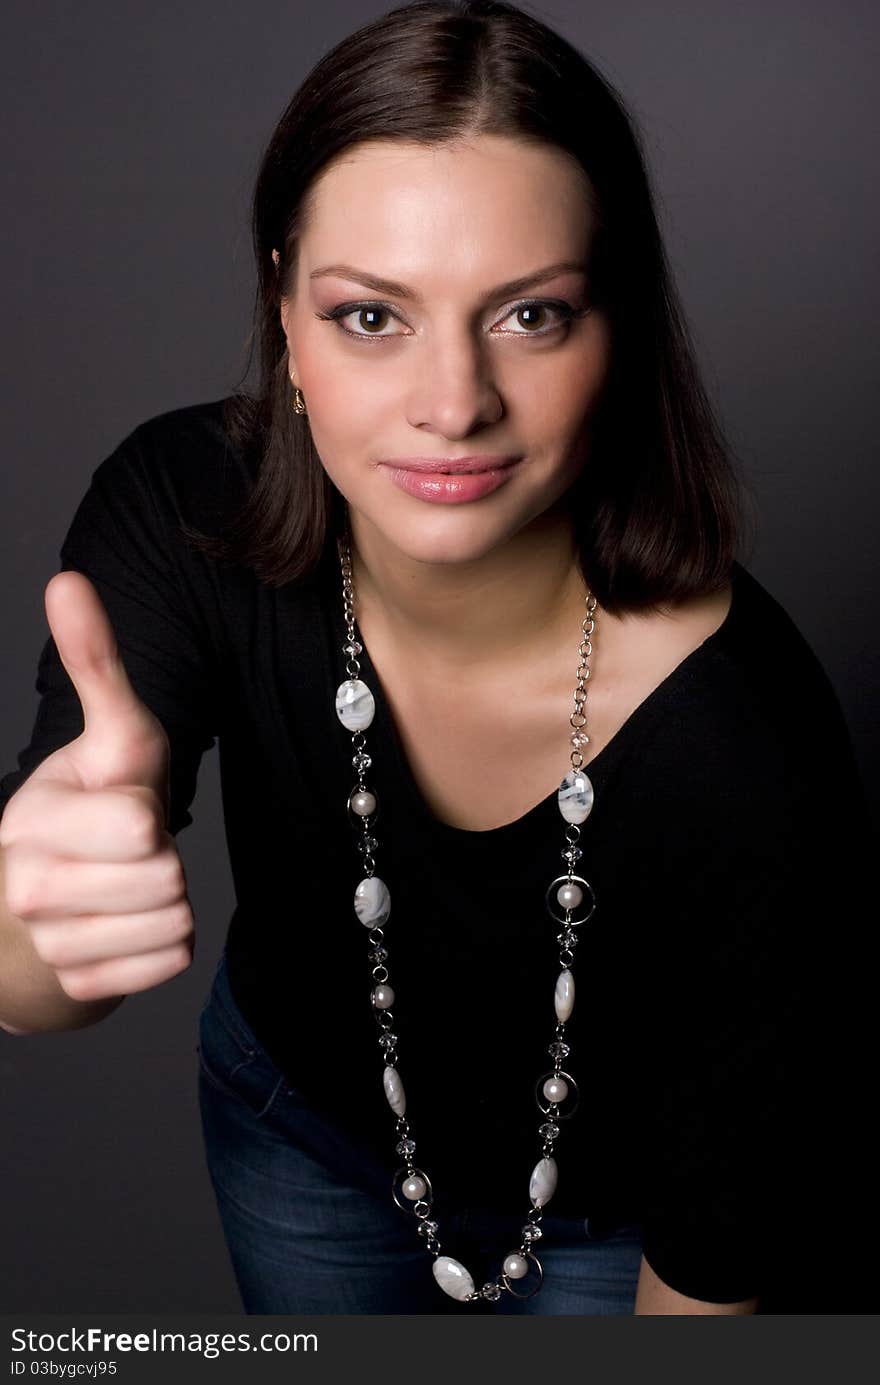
(88, 650)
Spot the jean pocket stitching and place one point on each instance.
(247, 1044)
(232, 1093)
(223, 1078)
(218, 1075)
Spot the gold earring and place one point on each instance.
(299, 403)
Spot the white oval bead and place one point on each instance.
(516, 1266)
(555, 1089)
(564, 996)
(394, 1090)
(452, 1277)
(355, 704)
(414, 1188)
(372, 902)
(575, 796)
(542, 1184)
(383, 997)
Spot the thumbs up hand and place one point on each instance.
(89, 864)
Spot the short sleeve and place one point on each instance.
(125, 543)
(753, 1135)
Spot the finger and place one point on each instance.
(125, 975)
(91, 938)
(41, 887)
(124, 823)
(88, 649)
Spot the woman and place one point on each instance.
(459, 268)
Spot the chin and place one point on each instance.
(452, 534)
(444, 551)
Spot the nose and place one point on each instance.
(454, 393)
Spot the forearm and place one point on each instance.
(32, 999)
(654, 1297)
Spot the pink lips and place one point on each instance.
(481, 461)
(464, 479)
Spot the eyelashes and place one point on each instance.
(565, 312)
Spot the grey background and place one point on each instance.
(132, 135)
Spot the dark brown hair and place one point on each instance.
(657, 506)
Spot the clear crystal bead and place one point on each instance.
(387, 1041)
(548, 1131)
(352, 647)
(558, 1049)
(361, 760)
(531, 1232)
(378, 955)
(491, 1290)
(406, 1147)
(568, 937)
(428, 1228)
(571, 854)
(368, 844)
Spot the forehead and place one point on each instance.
(486, 204)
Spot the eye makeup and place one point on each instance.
(564, 311)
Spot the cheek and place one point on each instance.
(563, 397)
(349, 416)
(343, 412)
(560, 413)
(343, 391)
(350, 410)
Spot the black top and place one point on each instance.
(729, 826)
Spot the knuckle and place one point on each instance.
(141, 827)
(24, 891)
(77, 983)
(181, 925)
(182, 957)
(173, 876)
(50, 946)
(7, 823)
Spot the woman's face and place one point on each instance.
(458, 365)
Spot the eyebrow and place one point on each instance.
(396, 290)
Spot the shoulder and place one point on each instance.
(749, 757)
(184, 462)
(758, 695)
(173, 432)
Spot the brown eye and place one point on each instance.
(532, 318)
(367, 317)
(531, 314)
(539, 318)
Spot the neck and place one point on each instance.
(520, 595)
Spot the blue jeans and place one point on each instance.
(310, 1222)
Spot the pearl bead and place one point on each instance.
(515, 1266)
(569, 896)
(383, 997)
(414, 1188)
(363, 803)
(555, 1089)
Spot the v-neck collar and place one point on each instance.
(598, 770)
